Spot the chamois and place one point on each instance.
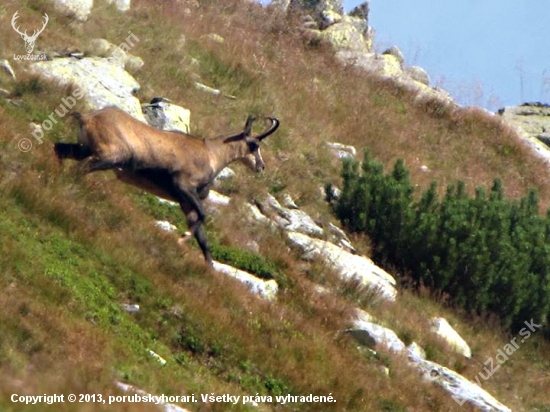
(172, 165)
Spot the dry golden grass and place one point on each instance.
(74, 249)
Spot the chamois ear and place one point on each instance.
(245, 133)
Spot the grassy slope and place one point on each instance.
(74, 249)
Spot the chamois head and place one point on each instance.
(252, 157)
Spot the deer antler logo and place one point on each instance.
(29, 40)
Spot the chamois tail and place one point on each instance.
(74, 151)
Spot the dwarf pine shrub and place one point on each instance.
(490, 254)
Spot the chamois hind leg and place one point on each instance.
(93, 163)
(74, 151)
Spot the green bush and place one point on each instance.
(490, 254)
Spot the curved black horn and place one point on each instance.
(248, 126)
(274, 125)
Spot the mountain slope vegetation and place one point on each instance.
(75, 249)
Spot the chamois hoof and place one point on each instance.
(186, 237)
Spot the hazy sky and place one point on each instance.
(489, 53)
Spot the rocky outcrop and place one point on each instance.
(461, 389)
(353, 39)
(336, 253)
(81, 9)
(532, 122)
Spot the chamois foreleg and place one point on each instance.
(195, 228)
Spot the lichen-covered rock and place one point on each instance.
(418, 74)
(103, 82)
(391, 66)
(395, 52)
(163, 115)
(531, 118)
(348, 34)
(79, 9)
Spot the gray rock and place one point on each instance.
(348, 266)
(100, 47)
(225, 174)
(361, 11)
(348, 34)
(289, 219)
(104, 48)
(441, 328)
(460, 388)
(163, 115)
(6, 68)
(531, 121)
(342, 151)
(267, 289)
(121, 5)
(395, 52)
(418, 74)
(165, 225)
(102, 82)
(380, 334)
(79, 9)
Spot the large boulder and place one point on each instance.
(347, 265)
(102, 82)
